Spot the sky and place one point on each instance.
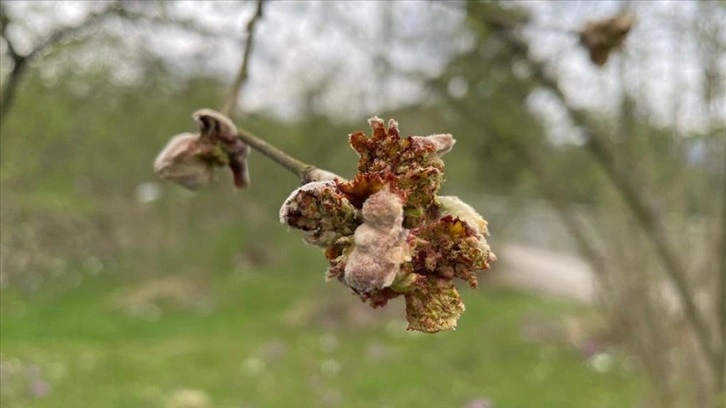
(368, 56)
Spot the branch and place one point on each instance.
(242, 74)
(20, 61)
(186, 24)
(623, 179)
(549, 184)
(721, 362)
(186, 159)
(306, 172)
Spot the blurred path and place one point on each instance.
(546, 272)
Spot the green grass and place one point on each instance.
(280, 337)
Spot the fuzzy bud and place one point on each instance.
(189, 159)
(179, 162)
(217, 129)
(385, 231)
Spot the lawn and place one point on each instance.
(278, 336)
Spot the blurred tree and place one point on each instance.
(490, 86)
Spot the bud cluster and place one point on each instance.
(387, 234)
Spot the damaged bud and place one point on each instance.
(320, 210)
(190, 158)
(387, 234)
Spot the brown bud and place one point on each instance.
(600, 37)
(217, 129)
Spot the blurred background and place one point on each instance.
(604, 186)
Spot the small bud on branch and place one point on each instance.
(189, 159)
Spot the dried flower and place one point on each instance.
(189, 159)
(387, 234)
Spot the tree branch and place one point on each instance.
(242, 73)
(303, 170)
(721, 362)
(20, 62)
(550, 187)
(623, 179)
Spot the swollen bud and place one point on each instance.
(323, 212)
(189, 159)
(181, 163)
(219, 130)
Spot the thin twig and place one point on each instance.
(721, 362)
(304, 171)
(20, 61)
(300, 169)
(242, 73)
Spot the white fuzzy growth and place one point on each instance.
(177, 163)
(380, 244)
(452, 205)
